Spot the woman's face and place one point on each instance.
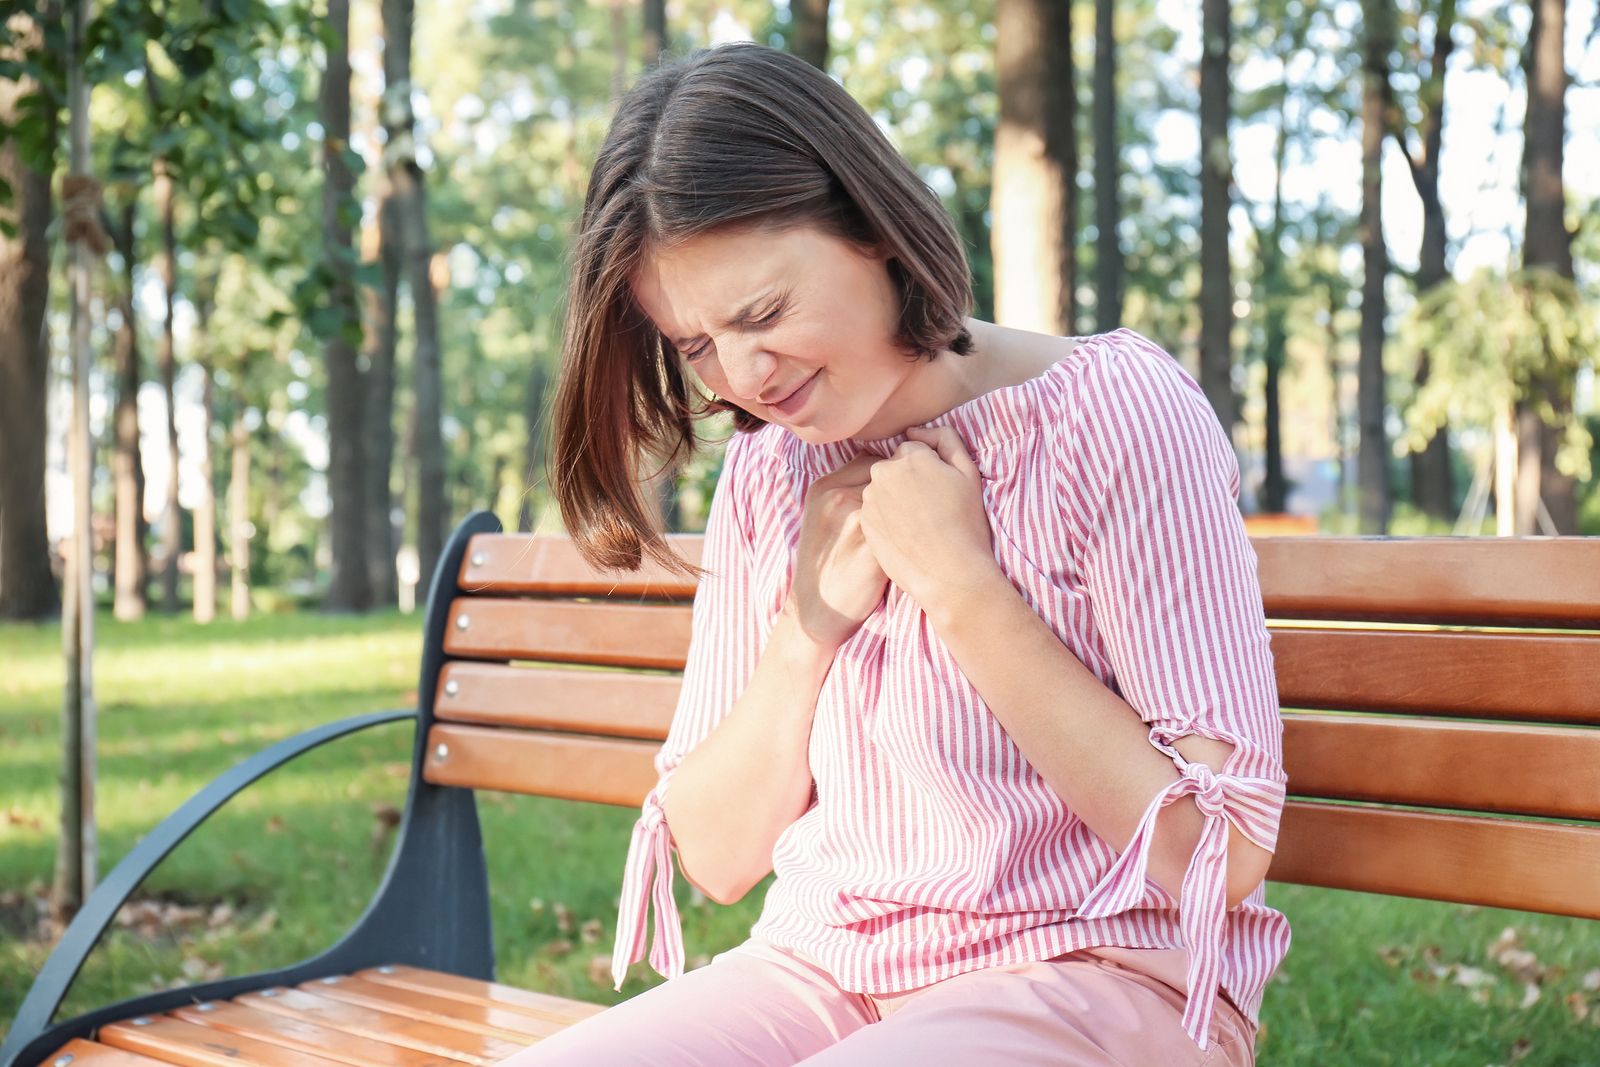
(757, 315)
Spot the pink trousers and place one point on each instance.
(760, 1005)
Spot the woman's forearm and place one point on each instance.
(737, 791)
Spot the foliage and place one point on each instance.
(1489, 340)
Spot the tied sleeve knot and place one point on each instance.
(1202, 908)
(649, 872)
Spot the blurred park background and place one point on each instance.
(280, 297)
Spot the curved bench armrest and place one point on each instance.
(86, 928)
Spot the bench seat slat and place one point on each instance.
(552, 698)
(1488, 581)
(485, 1019)
(613, 635)
(447, 1041)
(550, 565)
(93, 1054)
(1529, 677)
(1501, 863)
(596, 769)
(474, 991)
(306, 1036)
(176, 1041)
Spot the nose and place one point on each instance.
(748, 369)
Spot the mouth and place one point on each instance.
(792, 403)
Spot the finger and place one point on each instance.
(857, 471)
(947, 442)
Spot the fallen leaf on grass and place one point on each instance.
(1578, 1006)
(196, 970)
(559, 948)
(1507, 951)
(600, 971)
(18, 817)
(589, 932)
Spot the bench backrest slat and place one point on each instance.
(1480, 581)
(616, 635)
(1552, 771)
(1501, 863)
(1528, 677)
(606, 770)
(543, 698)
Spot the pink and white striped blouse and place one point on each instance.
(932, 847)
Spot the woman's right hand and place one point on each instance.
(837, 580)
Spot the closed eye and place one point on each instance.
(766, 321)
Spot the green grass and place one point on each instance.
(1368, 980)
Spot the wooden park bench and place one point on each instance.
(1279, 524)
(1471, 753)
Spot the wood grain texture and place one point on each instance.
(549, 565)
(1525, 676)
(590, 702)
(1501, 863)
(611, 634)
(450, 1042)
(175, 1041)
(473, 991)
(596, 769)
(1487, 581)
(307, 1036)
(1549, 771)
(481, 1018)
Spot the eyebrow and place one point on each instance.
(742, 317)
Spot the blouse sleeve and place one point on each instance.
(1172, 582)
(724, 644)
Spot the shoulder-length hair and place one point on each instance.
(738, 136)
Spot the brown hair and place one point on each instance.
(738, 136)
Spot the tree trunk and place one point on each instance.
(533, 406)
(27, 585)
(382, 306)
(809, 31)
(1034, 199)
(1275, 486)
(77, 849)
(205, 516)
(239, 516)
(1546, 243)
(1336, 401)
(132, 564)
(410, 192)
(655, 31)
(1432, 477)
(1216, 198)
(1374, 450)
(1108, 211)
(350, 588)
(172, 516)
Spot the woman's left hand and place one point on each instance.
(922, 515)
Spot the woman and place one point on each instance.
(978, 607)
